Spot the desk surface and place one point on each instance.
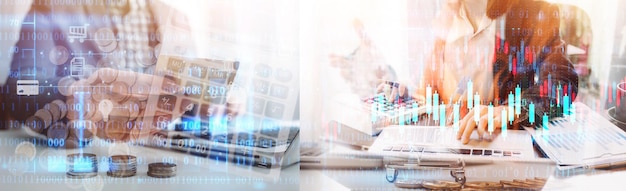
(194, 173)
(374, 179)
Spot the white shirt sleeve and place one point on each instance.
(12, 13)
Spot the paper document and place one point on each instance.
(582, 139)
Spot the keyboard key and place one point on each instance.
(258, 104)
(497, 152)
(517, 153)
(266, 142)
(487, 152)
(507, 153)
(166, 102)
(279, 91)
(263, 70)
(406, 149)
(396, 148)
(477, 152)
(387, 148)
(417, 149)
(465, 151)
(274, 110)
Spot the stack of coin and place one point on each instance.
(162, 170)
(442, 185)
(82, 165)
(105, 39)
(482, 185)
(528, 184)
(122, 166)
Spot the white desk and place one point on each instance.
(374, 179)
(197, 174)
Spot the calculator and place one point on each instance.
(223, 110)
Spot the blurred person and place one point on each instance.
(62, 45)
(483, 41)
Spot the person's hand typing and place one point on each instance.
(468, 124)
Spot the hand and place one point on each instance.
(467, 124)
(124, 96)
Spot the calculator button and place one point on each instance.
(279, 91)
(170, 85)
(175, 65)
(283, 75)
(261, 86)
(274, 110)
(219, 100)
(166, 102)
(211, 91)
(406, 149)
(387, 148)
(188, 124)
(263, 70)
(465, 151)
(218, 76)
(188, 107)
(162, 120)
(197, 71)
(207, 111)
(192, 89)
(258, 105)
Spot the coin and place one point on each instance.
(62, 107)
(109, 47)
(441, 185)
(58, 131)
(140, 91)
(45, 116)
(120, 113)
(127, 77)
(104, 36)
(64, 85)
(82, 165)
(161, 170)
(81, 110)
(27, 149)
(81, 129)
(107, 75)
(59, 55)
(100, 91)
(146, 57)
(483, 185)
(411, 184)
(122, 166)
(54, 110)
(119, 92)
(35, 123)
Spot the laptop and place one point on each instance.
(430, 143)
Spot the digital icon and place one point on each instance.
(78, 32)
(77, 67)
(27, 87)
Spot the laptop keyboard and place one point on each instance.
(470, 152)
